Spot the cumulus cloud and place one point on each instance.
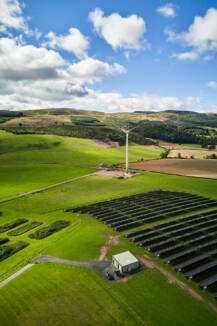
(18, 61)
(115, 102)
(33, 76)
(59, 93)
(212, 84)
(11, 16)
(74, 42)
(92, 70)
(167, 10)
(120, 32)
(201, 36)
(28, 62)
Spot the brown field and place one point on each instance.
(187, 167)
(187, 152)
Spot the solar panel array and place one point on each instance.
(189, 244)
(133, 211)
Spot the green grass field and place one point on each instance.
(51, 294)
(29, 162)
(65, 295)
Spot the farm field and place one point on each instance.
(49, 293)
(187, 167)
(186, 152)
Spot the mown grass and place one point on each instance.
(51, 294)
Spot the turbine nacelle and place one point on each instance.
(125, 131)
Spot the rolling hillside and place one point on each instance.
(171, 126)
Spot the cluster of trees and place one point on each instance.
(80, 131)
(174, 133)
(10, 114)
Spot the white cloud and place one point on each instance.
(11, 16)
(27, 62)
(91, 70)
(74, 42)
(120, 32)
(201, 36)
(33, 76)
(19, 62)
(191, 55)
(212, 84)
(193, 102)
(60, 93)
(167, 10)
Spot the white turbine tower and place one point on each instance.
(127, 143)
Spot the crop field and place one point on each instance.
(132, 211)
(185, 167)
(184, 152)
(48, 293)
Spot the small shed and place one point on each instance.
(125, 262)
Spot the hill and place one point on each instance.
(169, 125)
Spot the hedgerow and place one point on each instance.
(3, 240)
(48, 230)
(13, 224)
(7, 251)
(24, 228)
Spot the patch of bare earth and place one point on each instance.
(186, 167)
(112, 241)
(106, 143)
(174, 280)
(114, 174)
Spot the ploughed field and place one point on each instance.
(188, 243)
(187, 167)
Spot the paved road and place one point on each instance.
(13, 276)
(98, 265)
(24, 194)
(51, 259)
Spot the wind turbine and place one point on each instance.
(127, 145)
(127, 132)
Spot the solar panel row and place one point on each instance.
(190, 244)
(132, 211)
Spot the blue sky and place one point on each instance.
(108, 55)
